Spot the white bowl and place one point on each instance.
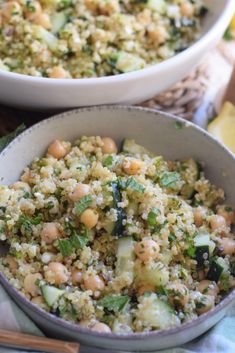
(47, 93)
(156, 131)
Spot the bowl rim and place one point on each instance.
(225, 302)
(201, 43)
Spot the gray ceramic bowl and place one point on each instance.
(157, 132)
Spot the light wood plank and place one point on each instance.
(25, 341)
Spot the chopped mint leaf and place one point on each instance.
(82, 204)
(114, 302)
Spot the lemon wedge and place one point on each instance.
(232, 25)
(223, 127)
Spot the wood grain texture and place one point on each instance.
(42, 344)
(10, 118)
(230, 93)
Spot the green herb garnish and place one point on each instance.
(108, 161)
(169, 179)
(232, 268)
(5, 140)
(228, 34)
(114, 302)
(65, 247)
(79, 241)
(224, 282)
(172, 237)
(26, 195)
(179, 125)
(162, 290)
(82, 204)
(190, 251)
(152, 216)
(50, 205)
(31, 220)
(25, 223)
(134, 185)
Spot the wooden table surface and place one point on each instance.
(10, 118)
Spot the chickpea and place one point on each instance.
(187, 9)
(178, 294)
(133, 166)
(91, 5)
(89, 218)
(43, 20)
(29, 284)
(84, 323)
(10, 8)
(11, 262)
(109, 7)
(144, 17)
(76, 276)
(50, 232)
(58, 72)
(145, 288)
(228, 214)
(43, 57)
(56, 273)
(93, 282)
(109, 146)
(20, 185)
(65, 174)
(34, 12)
(38, 300)
(147, 249)
(217, 222)
(199, 215)
(57, 149)
(80, 191)
(100, 327)
(208, 287)
(205, 303)
(25, 177)
(228, 246)
(157, 34)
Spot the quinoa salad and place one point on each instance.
(93, 38)
(117, 241)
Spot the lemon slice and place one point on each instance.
(223, 127)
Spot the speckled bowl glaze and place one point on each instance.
(132, 87)
(156, 131)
